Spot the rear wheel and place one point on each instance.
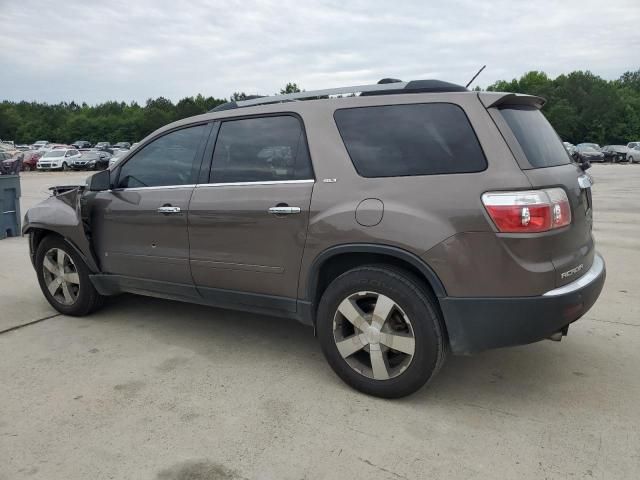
(380, 331)
(64, 278)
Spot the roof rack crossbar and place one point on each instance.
(321, 93)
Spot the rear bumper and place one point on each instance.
(476, 324)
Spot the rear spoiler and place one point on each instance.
(499, 99)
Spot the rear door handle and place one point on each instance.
(168, 209)
(284, 210)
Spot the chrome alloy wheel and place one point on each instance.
(61, 276)
(374, 335)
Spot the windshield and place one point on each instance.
(537, 138)
(54, 153)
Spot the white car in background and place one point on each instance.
(58, 159)
(117, 155)
(633, 153)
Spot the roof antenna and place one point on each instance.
(475, 76)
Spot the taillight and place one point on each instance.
(528, 211)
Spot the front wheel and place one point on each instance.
(631, 160)
(64, 278)
(65, 167)
(381, 332)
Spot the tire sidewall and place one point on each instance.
(418, 307)
(86, 297)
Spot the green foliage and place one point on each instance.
(583, 107)
(27, 122)
(290, 88)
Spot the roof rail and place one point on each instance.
(384, 87)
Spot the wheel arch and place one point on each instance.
(38, 233)
(336, 260)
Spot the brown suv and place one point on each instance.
(408, 221)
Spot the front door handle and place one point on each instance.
(282, 210)
(168, 209)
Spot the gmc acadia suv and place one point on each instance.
(411, 220)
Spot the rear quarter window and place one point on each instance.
(408, 140)
(536, 137)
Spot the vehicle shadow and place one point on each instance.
(518, 375)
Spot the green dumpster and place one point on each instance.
(9, 206)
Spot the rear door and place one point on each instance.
(248, 225)
(546, 163)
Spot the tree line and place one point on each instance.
(581, 106)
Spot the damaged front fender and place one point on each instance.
(62, 213)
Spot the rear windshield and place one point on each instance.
(537, 138)
(406, 140)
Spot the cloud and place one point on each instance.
(113, 49)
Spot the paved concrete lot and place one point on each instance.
(152, 389)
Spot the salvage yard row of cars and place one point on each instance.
(81, 155)
(43, 155)
(592, 152)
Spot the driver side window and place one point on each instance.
(168, 160)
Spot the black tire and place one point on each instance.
(631, 160)
(411, 298)
(87, 298)
(26, 168)
(65, 167)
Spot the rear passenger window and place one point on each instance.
(261, 149)
(404, 140)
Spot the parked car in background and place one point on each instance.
(58, 159)
(30, 160)
(117, 156)
(102, 145)
(122, 145)
(585, 152)
(8, 148)
(615, 153)
(81, 144)
(10, 164)
(91, 160)
(40, 144)
(633, 152)
(595, 146)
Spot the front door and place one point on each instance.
(140, 226)
(247, 228)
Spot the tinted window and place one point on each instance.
(169, 160)
(539, 141)
(400, 140)
(261, 149)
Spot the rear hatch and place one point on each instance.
(543, 159)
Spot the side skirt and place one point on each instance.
(286, 307)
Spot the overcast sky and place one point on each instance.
(94, 51)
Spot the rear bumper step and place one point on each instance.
(482, 323)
